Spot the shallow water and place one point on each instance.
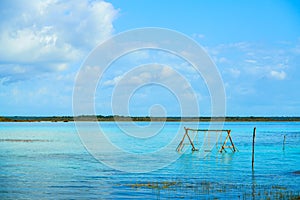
(47, 160)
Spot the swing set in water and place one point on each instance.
(212, 138)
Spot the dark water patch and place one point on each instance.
(25, 140)
(72, 186)
(296, 172)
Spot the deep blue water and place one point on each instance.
(47, 160)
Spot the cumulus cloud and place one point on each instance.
(112, 82)
(250, 61)
(220, 60)
(255, 61)
(151, 73)
(200, 36)
(234, 72)
(279, 75)
(50, 35)
(149, 76)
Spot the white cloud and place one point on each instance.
(62, 67)
(218, 60)
(30, 46)
(52, 34)
(278, 75)
(270, 72)
(198, 36)
(145, 74)
(147, 77)
(257, 60)
(296, 50)
(242, 46)
(112, 82)
(151, 73)
(242, 90)
(234, 72)
(250, 61)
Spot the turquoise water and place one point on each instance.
(47, 160)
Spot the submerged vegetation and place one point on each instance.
(215, 189)
(141, 118)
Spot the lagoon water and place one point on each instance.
(48, 160)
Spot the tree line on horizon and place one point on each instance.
(138, 118)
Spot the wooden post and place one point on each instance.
(193, 147)
(180, 146)
(234, 150)
(283, 144)
(253, 141)
(223, 146)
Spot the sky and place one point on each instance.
(254, 44)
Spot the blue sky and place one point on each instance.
(254, 44)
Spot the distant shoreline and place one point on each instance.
(90, 118)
